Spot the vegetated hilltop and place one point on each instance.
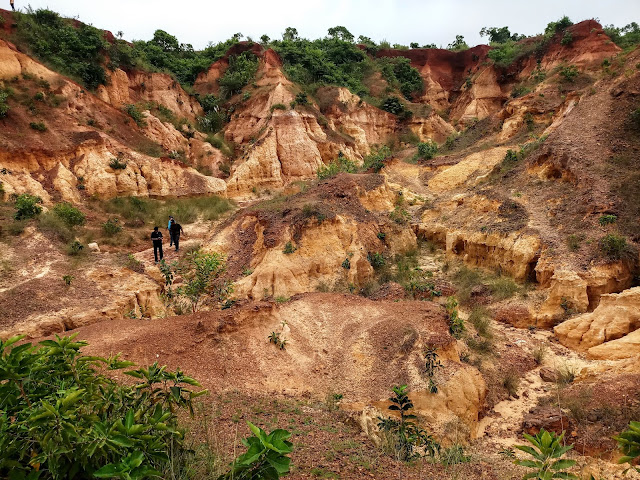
(496, 185)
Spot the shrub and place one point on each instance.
(454, 455)
(558, 26)
(432, 364)
(67, 279)
(614, 246)
(569, 73)
(136, 115)
(118, 163)
(400, 216)
(539, 353)
(340, 165)
(266, 457)
(567, 39)
(346, 264)
(69, 214)
(427, 150)
(278, 106)
(301, 99)
(38, 126)
(4, 106)
(132, 263)
(503, 288)
(393, 105)
(406, 438)
(456, 324)
(111, 227)
(289, 248)
(242, 70)
(375, 160)
(75, 248)
(80, 423)
(607, 220)
(511, 382)
(27, 206)
(547, 451)
(574, 241)
(479, 318)
(376, 260)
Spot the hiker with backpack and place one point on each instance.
(175, 230)
(171, 222)
(156, 238)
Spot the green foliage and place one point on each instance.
(78, 423)
(399, 215)
(458, 44)
(376, 259)
(499, 35)
(132, 263)
(289, 248)
(394, 106)
(558, 27)
(432, 364)
(427, 150)
(626, 36)
(67, 279)
(136, 115)
(399, 73)
(375, 160)
(614, 246)
(118, 163)
(301, 99)
(75, 248)
(547, 452)
(4, 106)
(569, 73)
(405, 436)
(203, 278)
(38, 126)
(328, 61)
(69, 214)
(341, 165)
(265, 458)
(607, 219)
(629, 444)
(346, 264)
(454, 455)
(27, 206)
(111, 227)
(278, 106)
(242, 70)
(74, 50)
(567, 39)
(456, 324)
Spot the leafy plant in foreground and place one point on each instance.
(547, 452)
(62, 419)
(629, 444)
(265, 458)
(405, 436)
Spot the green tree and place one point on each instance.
(60, 419)
(340, 33)
(458, 44)
(203, 278)
(290, 34)
(27, 206)
(69, 214)
(242, 70)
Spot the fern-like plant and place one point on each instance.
(547, 451)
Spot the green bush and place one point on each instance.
(118, 164)
(626, 36)
(242, 70)
(69, 214)
(567, 39)
(558, 26)
(569, 73)
(38, 126)
(614, 246)
(136, 115)
(375, 160)
(278, 106)
(111, 227)
(400, 216)
(393, 105)
(399, 73)
(289, 248)
(27, 206)
(456, 324)
(341, 165)
(427, 150)
(79, 423)
(301, 99)
(607, 219)
(4, 106)
(75, 248)
(76, 50)
(376, 260)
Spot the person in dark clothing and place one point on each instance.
(176, 230)
(156, 238)
(13, 7)
(171, 222)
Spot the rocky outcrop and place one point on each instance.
(616, 316)
(580, 291)
(134, 87)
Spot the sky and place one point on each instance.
(199, 22)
